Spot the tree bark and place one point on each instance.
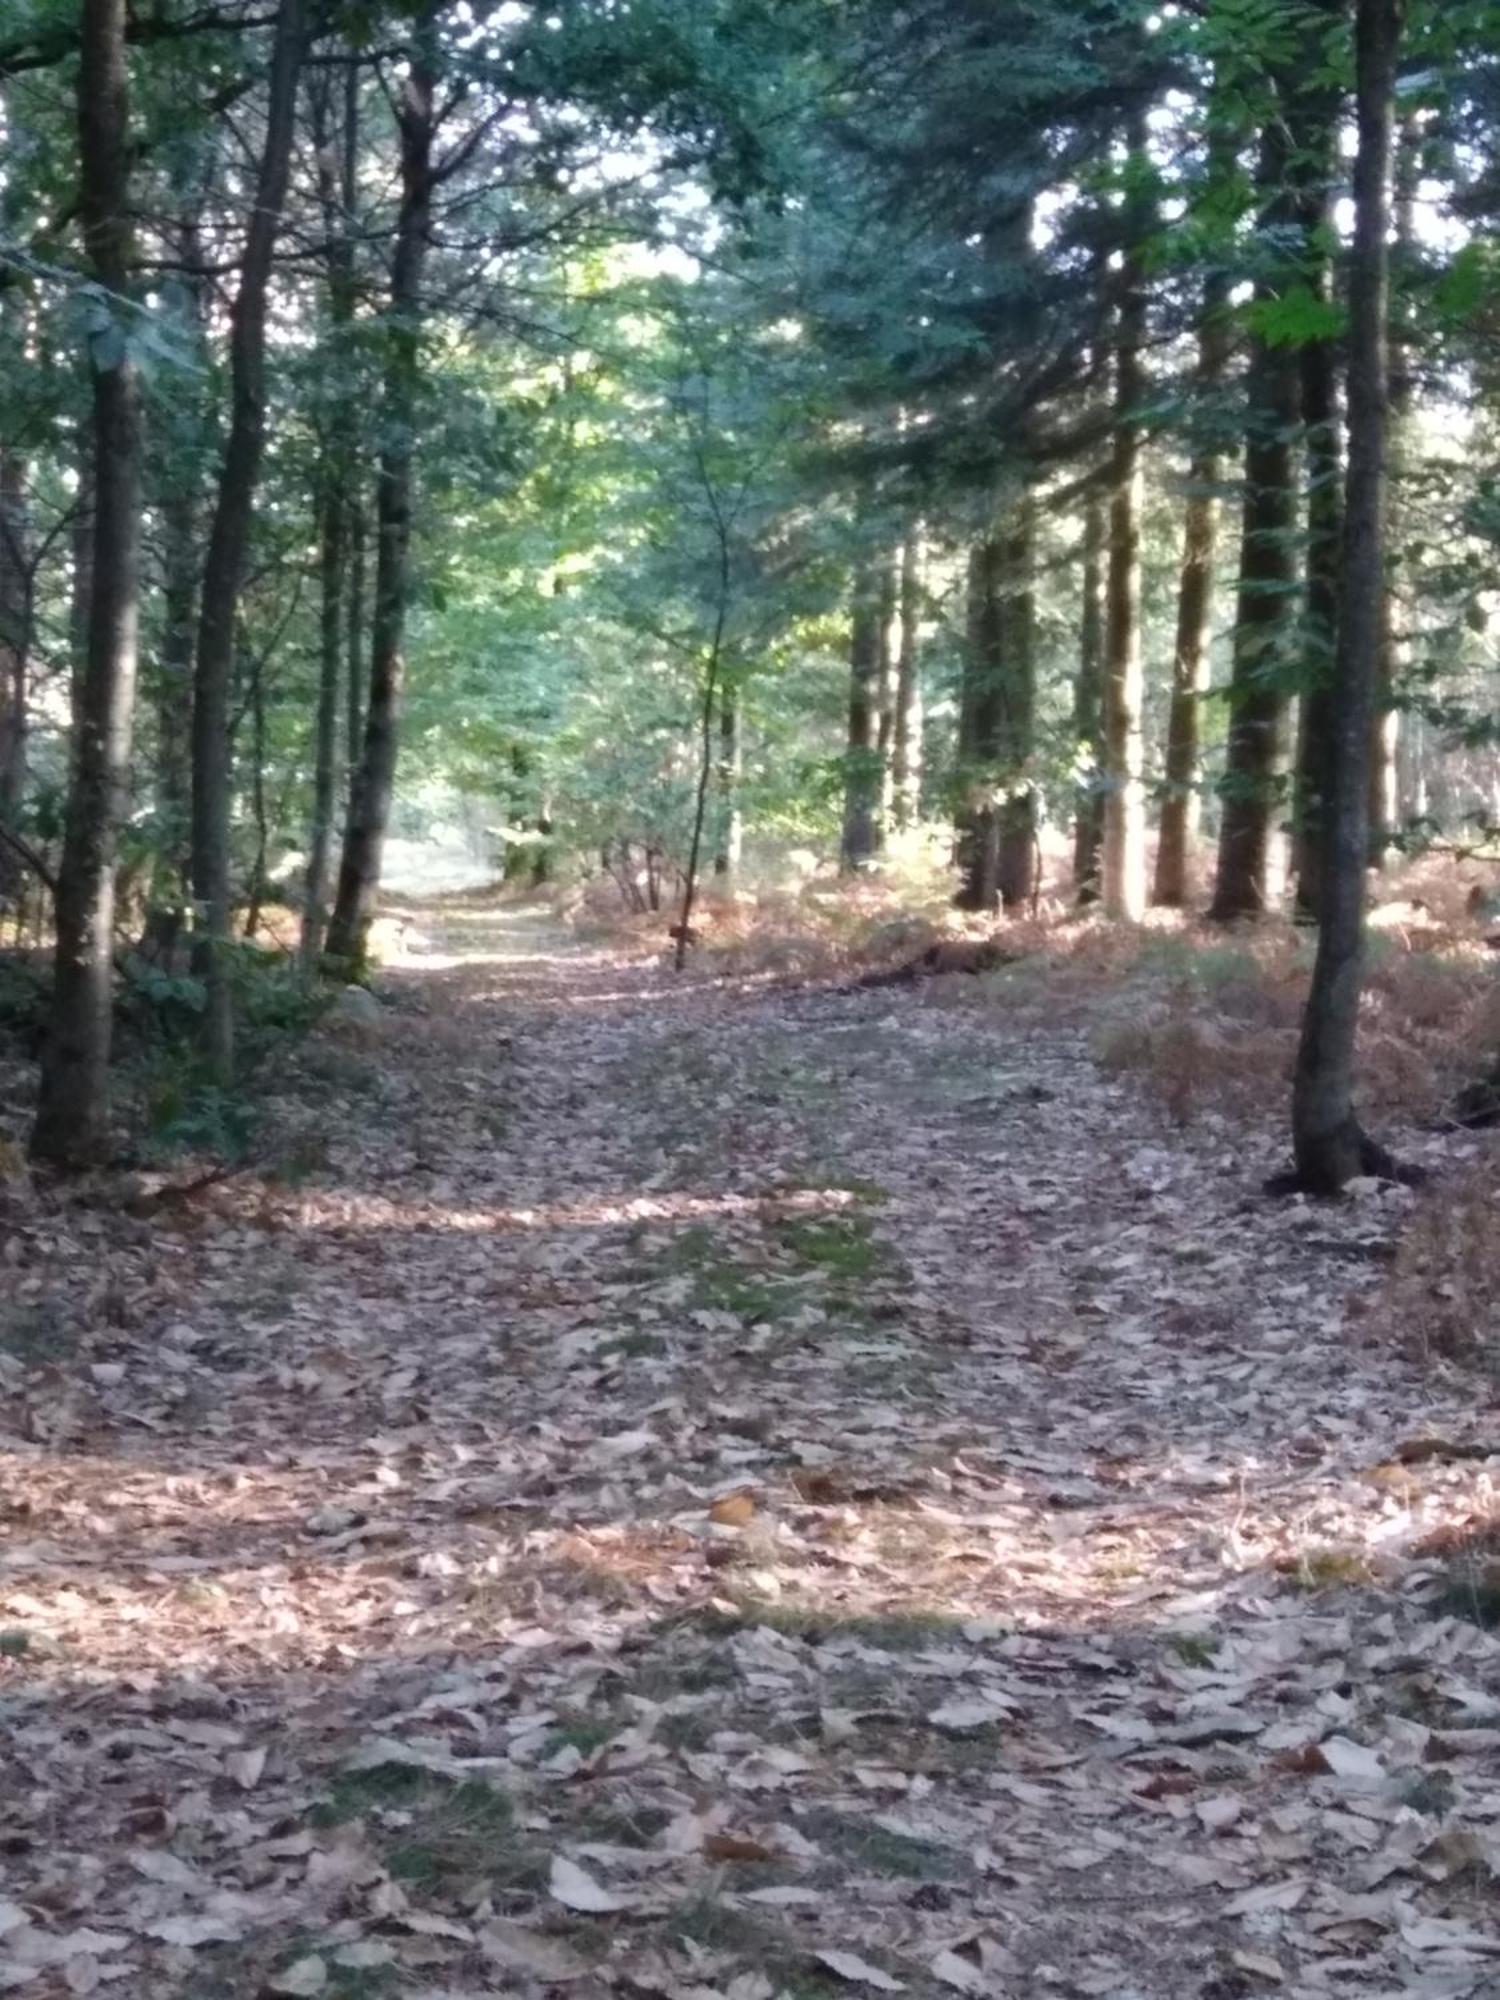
(1088, 702)
(1124, 861)
(1017, 741)
(906, 736)
(1331, 1147)
(1173, 885)
(1265, 628)
(373, 786)
(355, 665)
(16, 598)
(731, 821)
(1395, 650)
(336, 195)
(862, 766)
(72, 1121)
(228, 546)
(978, 732)
(175, 472)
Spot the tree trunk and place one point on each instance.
(175, 473)
(1331, 1147)
(72, 1121)
(1124, 864)
(1314, 137)
(336, 196)
(862, 755)
(373, 787)
(978, 733)
(15, 653)
(906, 736)
(1088, 703)
(1017, 740)
(255, 892)
(1265, 628)
(81, 591)
(890, 657)
(1395, 650)
(1177, 838)
(228, 546)
(731, 824)
(355, 666)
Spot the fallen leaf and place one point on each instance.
(304, 1977)
(848, 1966)
(981, 1713)
(530, 1954)
(575, 1889)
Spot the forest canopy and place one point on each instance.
(683, 442)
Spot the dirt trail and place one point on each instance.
(665, 1490)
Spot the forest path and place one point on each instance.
(674, 1489)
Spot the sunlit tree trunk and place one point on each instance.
(373, 787)
(1331, 1147)
(1124, 860)
(1180, 810)
(228, 547)
(72, 1120)
(1265, 624)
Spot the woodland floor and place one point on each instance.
(711, 1492)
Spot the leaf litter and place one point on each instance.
(722, 1495)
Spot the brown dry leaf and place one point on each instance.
(733, 1510)
(736, 1847)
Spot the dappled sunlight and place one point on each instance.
(758, 1448)
(339, 1211)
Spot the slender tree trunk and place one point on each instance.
(15, 653)
(890, 657)
(373, 787)
(1180, 811)
(1017, 741)
(255, 894)
(731, 823)
(1124, 864)
(175, 473)
(1330, 1145)
(336, 193)
(979, 732)
(1395, 650)
(1088, 703)
(228, 546)
(1265, 627)
(862, 755)
(72, 1121)
(356, 664)
(1315, 137)
(906, 736)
